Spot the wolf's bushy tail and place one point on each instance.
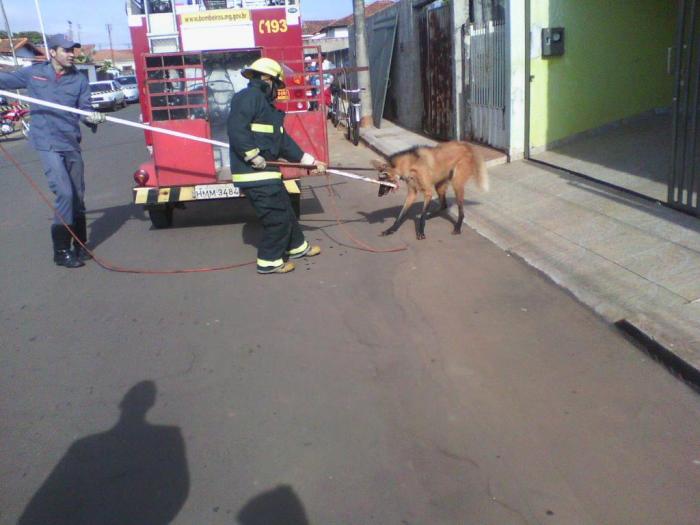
(482, 175)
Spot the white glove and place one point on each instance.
(95, 118)
(309, 160)
(258, 162)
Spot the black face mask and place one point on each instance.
(270, 91)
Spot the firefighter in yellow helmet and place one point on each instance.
(256, 135)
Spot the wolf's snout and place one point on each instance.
(383, 190)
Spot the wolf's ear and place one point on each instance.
(379, 165)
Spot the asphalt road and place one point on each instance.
(445, 384)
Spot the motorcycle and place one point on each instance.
(13, 119)
(312, 93)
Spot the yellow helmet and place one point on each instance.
(266, 66)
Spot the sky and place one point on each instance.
(94, 15)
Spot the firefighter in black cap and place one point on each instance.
(256, 135)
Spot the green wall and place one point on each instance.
(614, 64)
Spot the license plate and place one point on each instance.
(216, 191)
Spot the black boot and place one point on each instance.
(80, 229)
(62, 254)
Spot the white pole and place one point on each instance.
(84, 113)
(186, 136)
(41, 24)
(358, 177)
(9, 33)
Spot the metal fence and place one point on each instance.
(435, 32)
(485, 56)
(684, 187)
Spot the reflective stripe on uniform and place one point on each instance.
(257, 176)
(251, 153)
(262, 263)
(301, 249)
(262, 128)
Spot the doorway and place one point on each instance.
(602, 99)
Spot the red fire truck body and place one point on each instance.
(189, 60)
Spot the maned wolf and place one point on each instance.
(423, 168)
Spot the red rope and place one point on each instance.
(358, 243)
(120, 269)
(101, 262)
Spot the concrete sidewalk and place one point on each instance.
(635, 263)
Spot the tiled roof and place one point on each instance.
(18, 44)
(311, 27)
(370, 9)
(120, 55)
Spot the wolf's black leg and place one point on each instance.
(460, 219)
(402, 214)
(420, 231)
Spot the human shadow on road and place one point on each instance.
(279, 506)
(135, 473)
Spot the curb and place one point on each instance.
(647, 340)
(685, 370)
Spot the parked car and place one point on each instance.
(129, 87)
(106, 94)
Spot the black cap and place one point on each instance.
(61, 41)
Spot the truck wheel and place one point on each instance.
(161, 216)
(296, 204)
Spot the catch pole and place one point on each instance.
(185, 136)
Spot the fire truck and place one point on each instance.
(189, 56)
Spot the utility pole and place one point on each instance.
(111, 48)
(9, 33)
(79, 29)
(70, 30)
(363, 77)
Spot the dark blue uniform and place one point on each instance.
(256, 127)
(55, 134)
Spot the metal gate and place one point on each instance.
(485, 57)
(436, 68)
(381, 29)
(684, 186)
